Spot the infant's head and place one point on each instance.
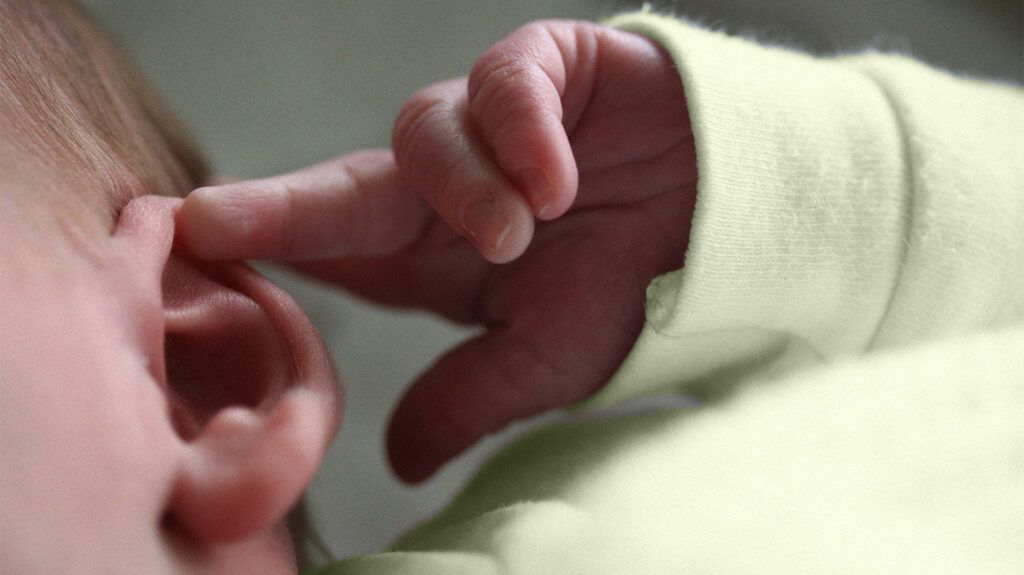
(157, 414)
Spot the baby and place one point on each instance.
(163, 407)
(159, 414)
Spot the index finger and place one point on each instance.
(347, 206)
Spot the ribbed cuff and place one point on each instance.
(797, 235)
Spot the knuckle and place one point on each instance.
(516, 54)
(494, 77)
(286, 238)
(444, 195)
(536, 30)
(505, 94)
(415, 114)
(424, 149)
(519, 78)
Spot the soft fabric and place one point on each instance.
(851, 311)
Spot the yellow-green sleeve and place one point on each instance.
(844, 204)
(905, 461)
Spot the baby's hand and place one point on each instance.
(566, 156)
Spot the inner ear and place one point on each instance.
(221, 349)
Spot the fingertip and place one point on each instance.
(224, 222)
(410, 470)
(537, 187)
(547, 200)
(500, 230)
(196, 222)
(413, 460)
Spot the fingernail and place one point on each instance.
(537, 188)
(544, 212)
(484, 223)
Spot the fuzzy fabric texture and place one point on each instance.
(851, 311)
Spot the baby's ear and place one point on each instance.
(250, 388)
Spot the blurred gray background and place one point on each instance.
(271, 86)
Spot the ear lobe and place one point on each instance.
(250, 387)
(247, 469)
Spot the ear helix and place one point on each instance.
(220, 349)
(251, 391)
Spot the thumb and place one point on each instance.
(347, 206)
(477, 389)
(474, 390)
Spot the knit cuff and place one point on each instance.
(797, 234)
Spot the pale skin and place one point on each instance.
(535, 198)
(125, 455)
